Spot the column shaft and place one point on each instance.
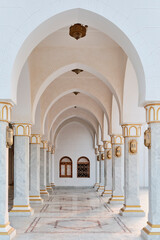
(48, 169)
(34, 193)
(6, 231)
(43, 150)
(132, 206)
(152, 230)
(117, 170)
(52, 168)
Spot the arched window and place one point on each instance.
(65, 167)
(83, 167)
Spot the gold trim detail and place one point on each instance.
(131, 130)
(22, 129)
(7, 233)
(153, 225)
(35, 139)
(4, 225)
(150, 233)
(21, 205)
(117, 139)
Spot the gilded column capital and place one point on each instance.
(153, 113)
(49, 148)
(100, 148)
(131, 130)
(107, 145)
(96, 151)
(117, 139)
(22, 129)
(44, 144)
(35, 139)
(5, 111)
(53, 150)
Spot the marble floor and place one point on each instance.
(79, 214)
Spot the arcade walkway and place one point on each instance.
(76, 214)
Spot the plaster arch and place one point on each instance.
(69, 101)
(40, 24)
(96, 90)
(70, 113)
(74, 119)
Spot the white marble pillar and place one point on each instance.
(21, 206)
(101, 169)
(117, 169)
(6, 231)
(132, 207)
(152, 230)
(34, 169)
(96, 169)
(48, 169)
(52, 167)
(107, 169)
(43, 149)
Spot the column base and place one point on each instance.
(132, 211)
(100, 189)
(49, 188)
(151, 232)
(96, 186)
(7, 232)
(106, 193)
(44, 192)
(35, 199)
(52, 185)
(21, 210)
(116, 199)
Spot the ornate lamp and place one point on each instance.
(78, 31)
(77, 70)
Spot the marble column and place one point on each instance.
(21, 207)
(101, 169)
(132, 207)
(96, 185)
(107, 169)
(6, 231)
(48, 169)
(52, 167)
(117, 169)
(43, 150)
(152, 230)
(34, 169)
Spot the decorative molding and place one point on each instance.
(22, 129)
(117, 139)
(100, 148)
(133, 146)
(49, 148)
(153, 113)
(35, 139)
(107, 145)
(5, 111)
(44, 144)
(131, 130)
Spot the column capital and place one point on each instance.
(107, 145)
(22, 129)
(5, 111)
(53, 150)
(35, 139)
(96, 151)
(49, 148)
(117, 139)
(43, 144)
(100, 148)
(153, 113)
(131, 130)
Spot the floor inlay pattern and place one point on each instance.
(77, 214)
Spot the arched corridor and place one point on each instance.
(79, 119)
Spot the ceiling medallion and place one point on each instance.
(76, 93)
(78, 31)
(77, 71)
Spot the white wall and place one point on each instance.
(74, 141)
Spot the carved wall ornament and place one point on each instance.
(133, 146)
(147, 138)
(109, 154)
(118, 151)
(9, 137)
(102, 156)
